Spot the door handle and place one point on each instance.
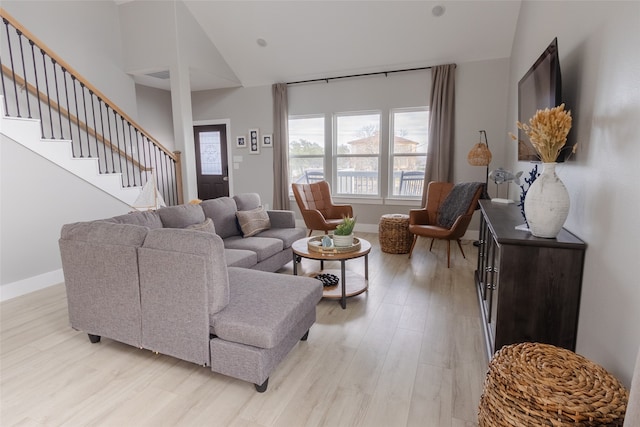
(225, 178)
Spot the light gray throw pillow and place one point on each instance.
(206, 226)
(254, 221)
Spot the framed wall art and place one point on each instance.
(267, 141)
(241, 141)
(254, 145)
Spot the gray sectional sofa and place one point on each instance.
(184, 281)
(268, 250)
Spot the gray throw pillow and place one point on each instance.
(247, 201)
(206, 226)
(181, 216)
(254, 221)
(223, 213)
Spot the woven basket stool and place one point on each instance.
(532, 384)
(393, 232)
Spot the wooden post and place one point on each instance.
(179, 176)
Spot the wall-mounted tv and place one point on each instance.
(540, 88)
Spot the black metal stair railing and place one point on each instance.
(37, 84)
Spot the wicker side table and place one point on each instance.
(394, 235)
(532, 384)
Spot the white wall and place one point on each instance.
(598, 44)
(151, 48)
(481, 99)
(86, 34)
(155, 115)
(481, 103)
(245, 108)
(38, 197)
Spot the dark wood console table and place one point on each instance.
(528, 287)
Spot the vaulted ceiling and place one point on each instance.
(262, 42)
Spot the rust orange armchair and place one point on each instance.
(316, 207)
(447, 213)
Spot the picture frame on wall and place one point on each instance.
(267, 141)
(254, 141)
(241, 141)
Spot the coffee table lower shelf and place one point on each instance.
(356, 284)
(350, 283)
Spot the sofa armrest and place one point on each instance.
(339, 211)
(419, 217)
(282, 219)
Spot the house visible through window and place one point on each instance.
(408, 152)
(357, 154)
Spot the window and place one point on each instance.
(357, 154)
(408, 151)
(352, 158)
(306, 149)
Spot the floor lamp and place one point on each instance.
(480, 155)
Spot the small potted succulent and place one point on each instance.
(343, 234)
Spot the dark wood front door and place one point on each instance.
(212, 168)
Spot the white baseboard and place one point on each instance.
(30, 284)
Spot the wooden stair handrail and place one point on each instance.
(79, 123)
(4, 14)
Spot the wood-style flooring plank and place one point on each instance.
(431, 400)
(408, 352)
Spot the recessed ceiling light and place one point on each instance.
(261, 42)
(437, 11)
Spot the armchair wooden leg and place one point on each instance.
(460, 246)
(431, 245)
(448, 253)
(413, 243)
(310, 231)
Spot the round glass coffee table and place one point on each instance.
(351, 283)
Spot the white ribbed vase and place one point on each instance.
(546, 204)
(343, 241)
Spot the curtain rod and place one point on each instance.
(326, 79)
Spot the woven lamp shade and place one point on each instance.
(479, 155)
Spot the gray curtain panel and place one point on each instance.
(441, 126)
(280, 147)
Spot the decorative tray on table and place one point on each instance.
(315, 245)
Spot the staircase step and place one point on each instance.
(27, 132)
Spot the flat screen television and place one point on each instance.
(539, 88)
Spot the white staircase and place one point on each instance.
(27, 132)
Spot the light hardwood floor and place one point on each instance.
(409, 352)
